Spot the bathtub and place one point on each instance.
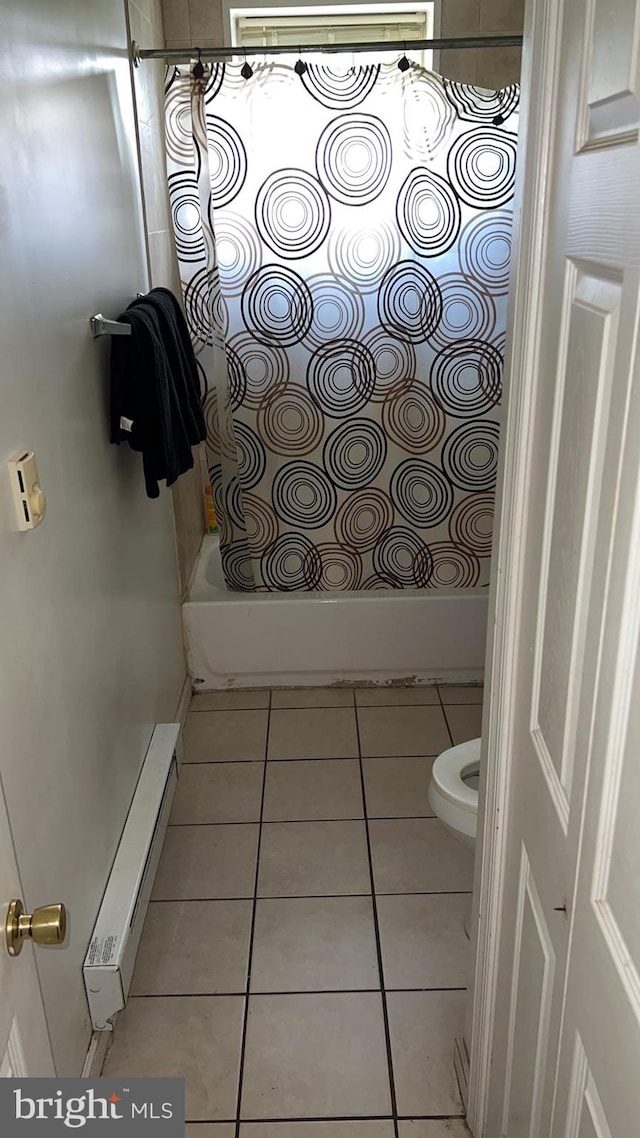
(239, 640)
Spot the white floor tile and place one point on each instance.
(417, 855)
(351, 1129)
(465, 722)
(313, 945)
(210, 1130)
(434, 1128)
(218, 792)
(398, 788)
(244, 700)
(314, 789)
(299, 859)
(207, 861)
(423, 940)
(423, 1027)
(195, 1038)
(225, 736)
(315, 1056)
(313, 697)
(394, 731)
(461, 693)
(191, 947)
(313, 733)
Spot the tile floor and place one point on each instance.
(303, 962)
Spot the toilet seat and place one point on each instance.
(451, 799)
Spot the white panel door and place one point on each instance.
(24, 1040)
(571, 907)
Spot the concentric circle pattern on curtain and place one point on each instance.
(338, 89)
(293, 213)
(353, 158)
(344, 243)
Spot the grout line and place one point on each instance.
(212, 710)
(253, 925)
(376, 926)
(220, 762)
(197, 825)
(336, 706)
(444, 713)
(430, 893)
(328, 1118)
(321, 1118)
(314, 896)
(298, 992)
(312, 821)
(306, 759)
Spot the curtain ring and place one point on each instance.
(198, 70)
(403, 64)
(246, 70)
(300, 66)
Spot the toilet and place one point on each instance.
(453, 790)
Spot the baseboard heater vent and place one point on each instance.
(109, 963)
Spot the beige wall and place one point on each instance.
(199, 22)
(91, 647)
(147, 28)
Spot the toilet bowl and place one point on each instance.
(453, 790)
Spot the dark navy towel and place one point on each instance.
(155, 384)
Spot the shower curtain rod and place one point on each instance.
(185, 54)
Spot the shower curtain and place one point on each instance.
(343, 237)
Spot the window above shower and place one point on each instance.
(274, 24)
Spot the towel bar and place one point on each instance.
(100, 326)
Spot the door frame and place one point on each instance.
(543, 19)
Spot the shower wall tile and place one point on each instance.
(151, 10)
(155, 16)
(140, 28)
(149, 77)
(487, 67)
(146, 26)
(202, 22)
(459, 65)
(206, 21)
(163, 262)
(501, 16)
(498, 66)
(154, 179)
(150, 84)
(188, 511)
(176, 21)
(460, 17)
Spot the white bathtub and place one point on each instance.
(239, 640)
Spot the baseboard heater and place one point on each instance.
(110, 960)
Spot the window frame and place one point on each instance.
(232, 8)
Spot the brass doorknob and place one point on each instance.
(46, 925)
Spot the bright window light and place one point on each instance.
(274, 25)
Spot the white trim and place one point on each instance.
(14, 1064)
(94, 1062)
(541, 39)
(182, 711)
(461, 1068)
